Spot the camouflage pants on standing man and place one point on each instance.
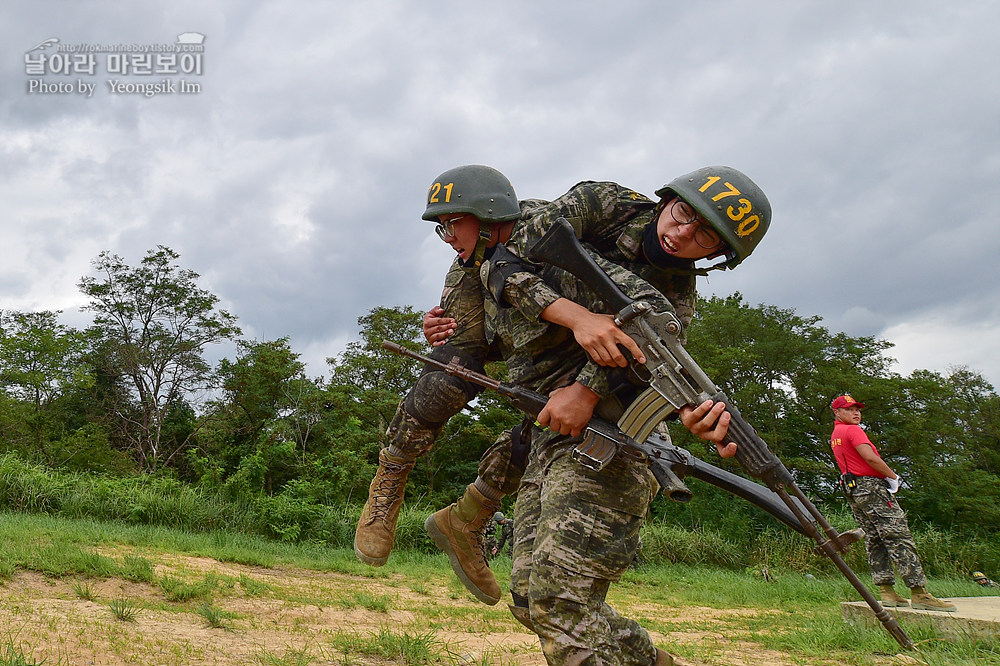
(888, 541)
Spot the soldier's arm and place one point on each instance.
(598, 334)
(873, 459)
(593, 375)
(591, 207)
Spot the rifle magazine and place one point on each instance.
(595, 451)
(644, 414)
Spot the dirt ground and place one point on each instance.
(287, 616)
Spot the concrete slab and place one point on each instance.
(977, 617)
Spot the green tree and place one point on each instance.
(154, 323)
(366, 384)
(940, 433)
(41, 361)
(782, 370)
(265, 423)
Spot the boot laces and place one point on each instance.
(479, 534)
(389, 478)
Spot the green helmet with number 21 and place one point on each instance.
(732, 203)
(480, 190)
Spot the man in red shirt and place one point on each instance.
(870, 486)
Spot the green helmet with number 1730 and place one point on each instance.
(732, 203)
(480, 190)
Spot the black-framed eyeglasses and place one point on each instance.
(704, 235)
(446, 228)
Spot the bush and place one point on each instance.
(296, 515)
(668, 543)
(141, 500)
(951, 555)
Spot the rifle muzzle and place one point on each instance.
(671, 485)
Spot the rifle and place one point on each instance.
(669, 463)
(676, 381)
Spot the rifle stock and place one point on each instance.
(681, 382)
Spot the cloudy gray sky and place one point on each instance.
(294, 179)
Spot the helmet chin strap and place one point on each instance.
(728, 256)
(485, 234)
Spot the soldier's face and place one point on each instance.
(461, 232)
(685, 234)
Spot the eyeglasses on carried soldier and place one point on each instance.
(446, 228)
(705, 236)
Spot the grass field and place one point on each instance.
(85, 592)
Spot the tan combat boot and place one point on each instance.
(458, 531)
(377, 527)
(890, 598)
(663, 658)
(921, 599)
(522, 615)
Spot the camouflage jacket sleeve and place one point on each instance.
(599, 213)
(597, 378)
(592, 375)
(609, 219)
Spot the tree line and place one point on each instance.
(133, 394)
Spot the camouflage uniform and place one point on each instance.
(606, 216)
(575, 533)
(490, 539)
(498, 536)
(461, 299)
(611, 219)
(434, 398)
(576, 530)
(888, 540)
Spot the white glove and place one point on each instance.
(894, 484)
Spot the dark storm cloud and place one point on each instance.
(294, 181)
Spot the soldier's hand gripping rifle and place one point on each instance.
(676, 381)
(668, 463)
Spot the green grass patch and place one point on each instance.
(253, 587)
(380, 603)
(291, 657)
(83, 590)
(178, 590)
(789, 611)
(125, 610)
(214, 616)
(407, 648)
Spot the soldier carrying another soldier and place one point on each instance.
(532, 315)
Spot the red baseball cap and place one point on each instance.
(846, 401)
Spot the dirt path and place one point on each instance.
(289, 616)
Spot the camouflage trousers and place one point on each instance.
(888, 541)
(498, 469)
(461, 299)
(414, 439)
(575, 532)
